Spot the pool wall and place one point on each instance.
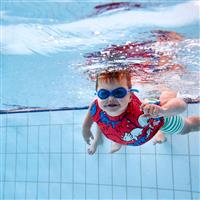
(43, 156)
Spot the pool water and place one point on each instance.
(44, 47)
(44, 63)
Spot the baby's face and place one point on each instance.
(111, 105)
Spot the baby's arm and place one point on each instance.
(86, 128)
(169, 105)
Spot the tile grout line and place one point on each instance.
(189, 160)
(16, 163)
(156, 168)
(38, 138)
(172, 168)
(49, 156)
(61, 136)
(81, 183)
(98, 174)
(5, 165)
(112, 173)
(73, 158)
(140, 153)
(148, 154)
(2, 177)
(27, 155)
(126, 180)
(85, 174)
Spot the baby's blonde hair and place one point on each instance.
(114, 75)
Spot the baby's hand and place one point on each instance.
(152, 110)
(87, 135)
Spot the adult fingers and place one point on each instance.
(146, 109)
(142, 106)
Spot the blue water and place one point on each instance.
(43, 155)
(43, 47)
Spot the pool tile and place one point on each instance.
(20, 190)
(55, 139)
(180, 144)
(3, 120)
(33, 139)
(67, 139)
(79, 191)
(149, 193)
(194, 143)
(193, 109)
(79, 169)
(21, 164)
(66, 191)
(133, 149)
(54, 191)
(62, 117)
(35, 119)
(105, 192)
(79, 116)
(196, 195)
(133, 170)
(17, 119)
(2, 170)
(55, 167)
(92, 192)
(43, 168)
(148, 147)
(165, 194)
(119, 192)
(92, 167)
(134, 193)
(10, 169)
(105, 169)
(67, 168)
(79, 143)
(9, 190)
(22, 136)
(31, 191)
(43, 191)
(181, 172)
(3, 140)
(148, 168)
(182, 195)
(119, 173)
(164, 171)
(44, 139)
(105, 146)
(165, 148)
(195, 172)
(11, 140)
(32, 167)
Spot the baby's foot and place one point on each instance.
(194, 123)
(115, 147)
(92, 149)
(159, 138)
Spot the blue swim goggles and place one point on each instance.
(118, 93)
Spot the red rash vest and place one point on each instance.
(129, 128)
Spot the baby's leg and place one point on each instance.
(115, 147)
(97, 139)
(159, 138)
(191, 124)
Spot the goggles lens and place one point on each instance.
(117, 93)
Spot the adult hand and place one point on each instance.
(152, 110)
